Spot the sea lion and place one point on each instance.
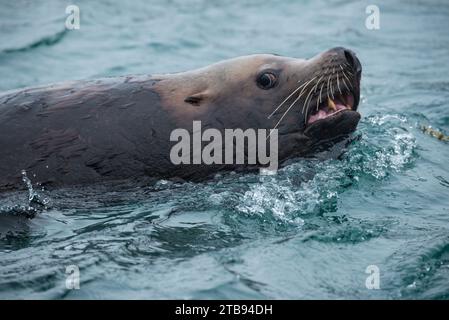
(118, 128)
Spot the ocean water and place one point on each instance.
(312, 231)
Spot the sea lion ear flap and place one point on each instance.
(196, 99)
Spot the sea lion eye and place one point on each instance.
(266, 80)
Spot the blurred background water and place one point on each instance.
(309, 232)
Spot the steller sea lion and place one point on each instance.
(119, 128)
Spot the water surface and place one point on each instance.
(310, 231)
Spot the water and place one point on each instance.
(309, 232)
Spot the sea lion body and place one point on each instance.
(119, 128)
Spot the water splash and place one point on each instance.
(36, 203)
(387, 145)
(33, 197)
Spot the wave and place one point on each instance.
(44, 41)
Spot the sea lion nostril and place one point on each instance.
(344, 55)
(353, 61)
(349, 57)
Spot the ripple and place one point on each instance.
(49, 40)
(426, 270)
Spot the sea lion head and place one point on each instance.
(310, 101)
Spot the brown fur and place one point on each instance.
(118, 128)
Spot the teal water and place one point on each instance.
(309, 232)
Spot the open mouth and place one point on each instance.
(332, 115)
(329, 100)
(330, 106)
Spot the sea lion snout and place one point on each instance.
(329, 96)
(336, 75)
(348, 56)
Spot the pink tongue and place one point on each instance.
(321, 114)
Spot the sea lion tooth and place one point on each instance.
(331, 104)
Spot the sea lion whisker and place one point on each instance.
(307, 111)
(347, 70)
(300, 94)
(344, 82)
(346, 77)
(332, 91)
(293, 103)
(285, 100)
(314, 90)
(317, 83)
(342, 69)
(321, 90)
(307, 97)
(307, 102)
(338, 83)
